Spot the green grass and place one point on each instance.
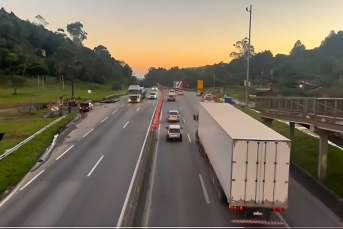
(305, 151)
(52, 91)
(235, 91)
(15, 166)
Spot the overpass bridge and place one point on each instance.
(324, 115)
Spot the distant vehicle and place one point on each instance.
(248, 161)
(174, 132)
(152, 95)
(171, 95)
(135, 94)
(143, 92)
(154, 88)
(86, 106)
(180, 92)
(173, 116)
(208, 98)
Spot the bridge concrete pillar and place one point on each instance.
(323, 152)
(291, 130)
(267, 121)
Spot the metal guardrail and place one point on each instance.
(329, 107)
(9, 151)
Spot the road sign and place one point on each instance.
(200, 84)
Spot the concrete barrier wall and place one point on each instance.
(317, 189)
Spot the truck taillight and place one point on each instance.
(168, 135)
(237, 208)
(277, 209)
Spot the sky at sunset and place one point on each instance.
(187, 33)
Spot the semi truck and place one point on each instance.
(136, 94)
(143, 92)
(248, 161)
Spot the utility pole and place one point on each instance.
(248, 62)
(72, 86)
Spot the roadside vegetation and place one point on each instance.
(320, 66)
(31, 54)
(52, 91)
(16, 165)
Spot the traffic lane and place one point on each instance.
(303, 208)
(177, 196)
(222, 215)
(69, 172)
(101, 199)
(61, 170)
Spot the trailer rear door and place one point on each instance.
(260, 173)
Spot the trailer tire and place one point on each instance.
(221, 193)
(202, 151)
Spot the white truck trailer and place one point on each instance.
(248, 161)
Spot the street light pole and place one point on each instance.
(248, 62)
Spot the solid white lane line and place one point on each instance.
(204, 190)
(122, 105)
(126, 124)
(88, 133)
(22, 188)
(104, 120)
(114, 111)
(120, 220)
(283, 220)
(189, 138)
(137, 109)
(146, 214)
(184, 121)
(90, 173)
(64, 152)
(161, 116)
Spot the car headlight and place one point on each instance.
(129, 100)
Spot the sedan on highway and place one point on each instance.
(174, 133)
(173, 116)
(152, 95)
(180, 92)
(154, 88)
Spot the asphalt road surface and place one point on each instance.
(182, 193)
(87, 183)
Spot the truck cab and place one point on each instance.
(135, 94)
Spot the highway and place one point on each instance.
(86, 183)
(182, 194)
(86, 180)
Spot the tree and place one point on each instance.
(18, 82)
(39, 70)
(76, 32)
(298, 48)
(243, 49)
(40, 21)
